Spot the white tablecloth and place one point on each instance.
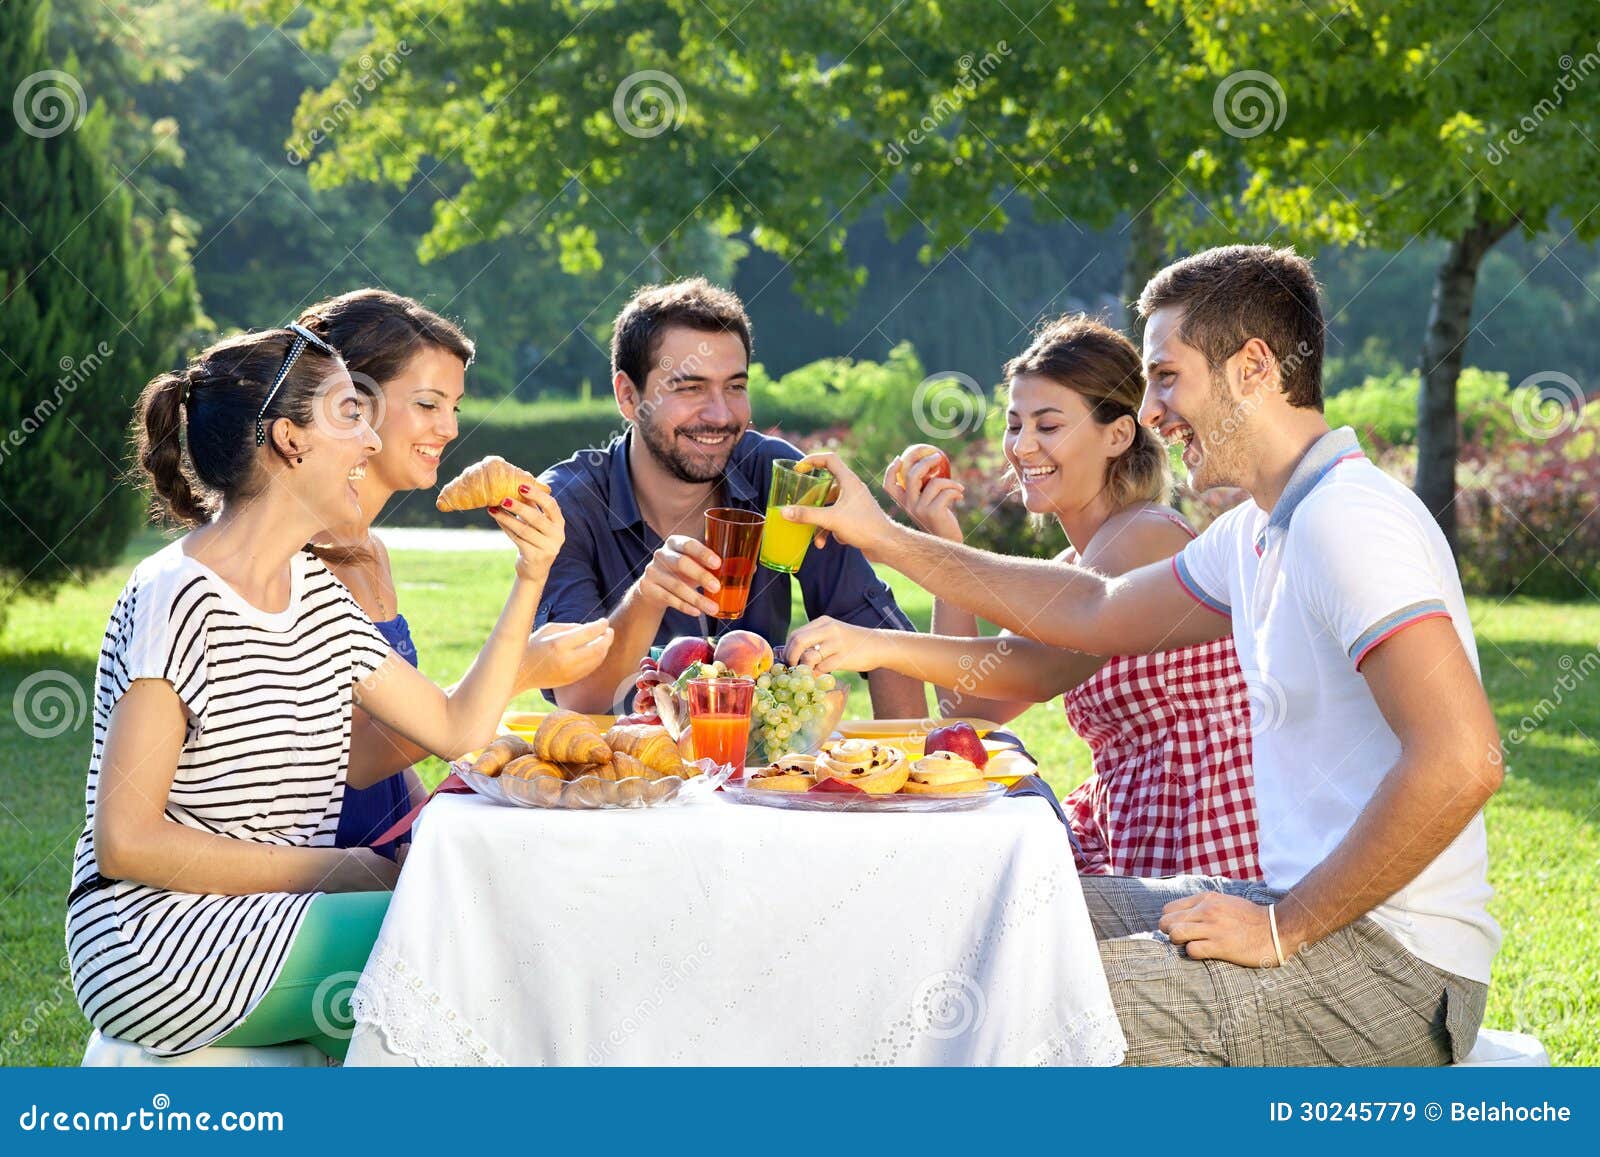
(724, 934)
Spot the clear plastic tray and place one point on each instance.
(590, 792)
(841, 801)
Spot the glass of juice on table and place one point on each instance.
(735, 537)
(783, 545)
(719, 719)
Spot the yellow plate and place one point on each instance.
(889, 729)
(527, 722)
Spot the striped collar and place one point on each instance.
(1326, 452)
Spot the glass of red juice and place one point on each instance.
(719, 719)
(734, 536)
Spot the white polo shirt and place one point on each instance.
(1347, 558)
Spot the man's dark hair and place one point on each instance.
(1232, 294)
(692, 302)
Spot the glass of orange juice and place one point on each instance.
(784, 543)
(719, 719)
(735, 537)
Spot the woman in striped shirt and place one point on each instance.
(208, 902)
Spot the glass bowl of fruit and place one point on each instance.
(795, 711)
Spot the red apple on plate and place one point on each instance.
(960, 738)
(682, 651)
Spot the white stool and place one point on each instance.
(107, 1052)
(1499, 1049)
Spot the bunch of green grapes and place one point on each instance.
(789, 711)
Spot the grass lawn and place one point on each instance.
(1544, 827)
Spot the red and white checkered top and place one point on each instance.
(1172, 791)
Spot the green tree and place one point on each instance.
(1409, 121)
(85, 321)
(784, 124)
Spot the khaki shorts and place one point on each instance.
(1354, 998)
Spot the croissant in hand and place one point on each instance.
(486, 483)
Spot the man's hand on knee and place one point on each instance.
(1216, 926)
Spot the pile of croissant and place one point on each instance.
(570, 762)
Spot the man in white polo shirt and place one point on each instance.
(1375, 747)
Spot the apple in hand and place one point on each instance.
(960, 738)
(682, 651)
(914, 454)
(744, 653)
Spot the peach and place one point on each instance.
(916, 453)
(744, 653)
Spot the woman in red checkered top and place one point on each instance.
(1171, 791)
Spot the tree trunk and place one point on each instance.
(1146, 244)
(1443, 347)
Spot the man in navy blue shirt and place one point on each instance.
(635, 510)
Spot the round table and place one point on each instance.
(716, 933)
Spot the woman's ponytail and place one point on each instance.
(161, 451)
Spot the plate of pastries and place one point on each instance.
(568, 761)
(868, 775)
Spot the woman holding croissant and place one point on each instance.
(209, 903)
(1172, 791)
(413, 362)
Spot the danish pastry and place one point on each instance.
(788, 773)
(875, 768)
(944, 773)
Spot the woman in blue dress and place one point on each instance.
(414, 363)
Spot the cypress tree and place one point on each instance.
(83, 322)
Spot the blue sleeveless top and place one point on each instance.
(370, 811)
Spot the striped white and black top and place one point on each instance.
(268, 699)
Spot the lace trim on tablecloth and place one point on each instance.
(1093, 1040)
(414, 1019)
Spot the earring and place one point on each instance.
(297, 461)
